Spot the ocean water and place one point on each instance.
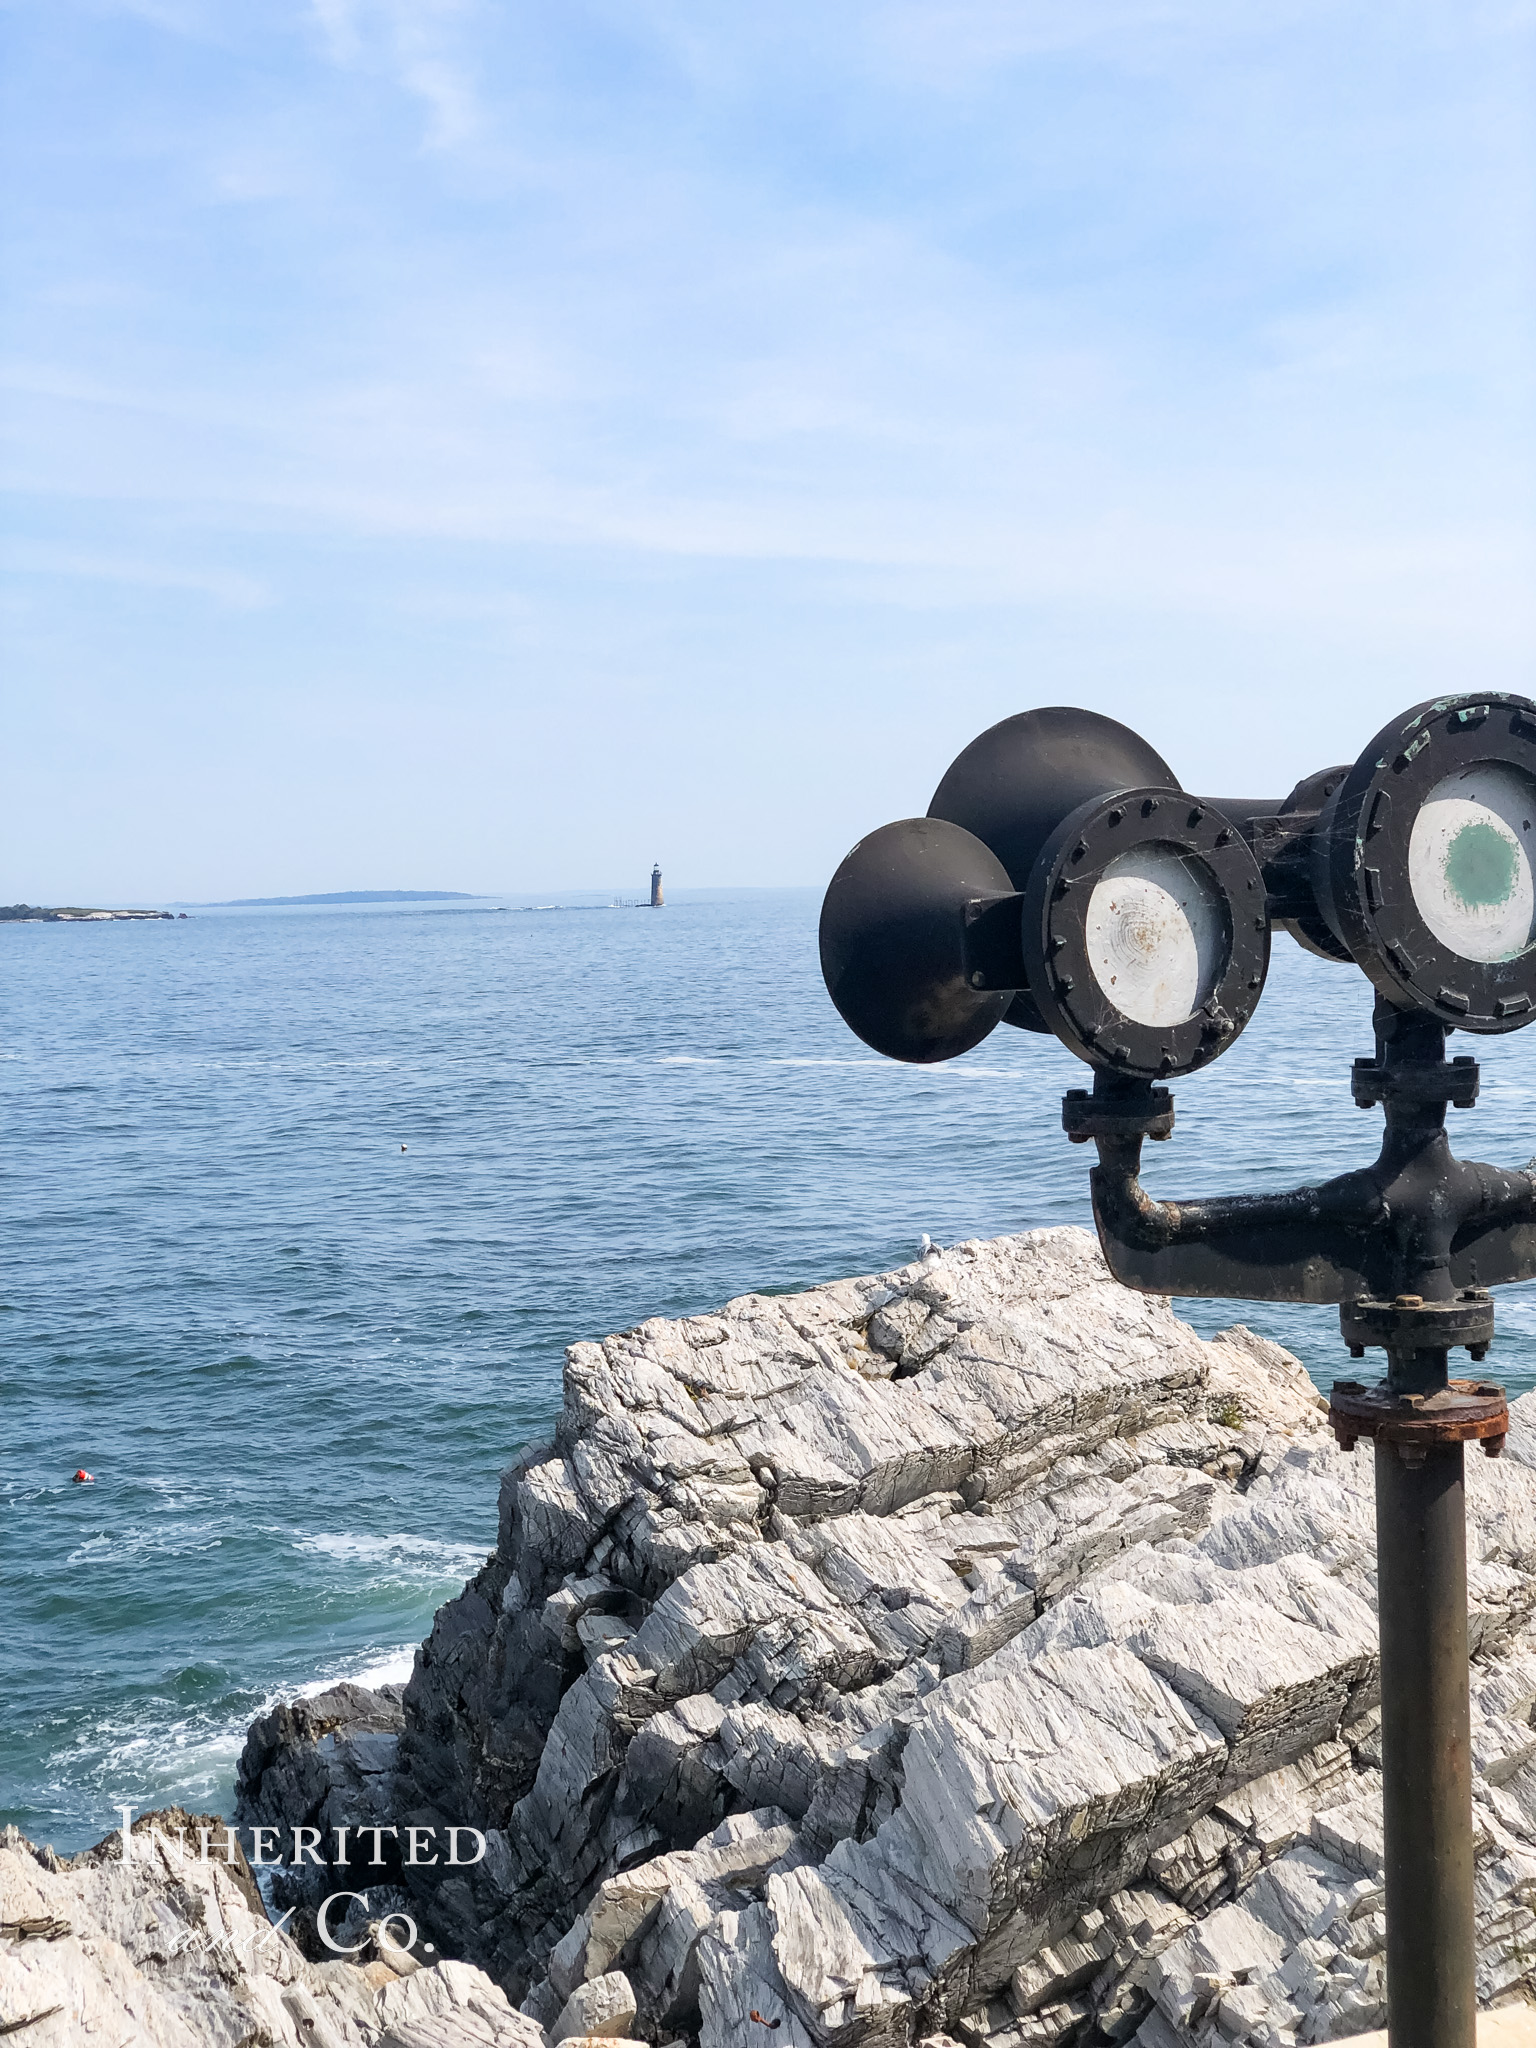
(296, 1355)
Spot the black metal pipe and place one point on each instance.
(1407, 1245)
(1418, 1220)
(1421, 1557)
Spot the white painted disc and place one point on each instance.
(1469, 862)
(1157, 934)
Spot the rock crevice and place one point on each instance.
(965, 1650)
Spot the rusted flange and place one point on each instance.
(1463, 1411)
(1409, 1323)
(1144, 1113)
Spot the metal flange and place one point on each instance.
(1424, 852)
(1142, 1113)
(1409, 1323)
(1146, 933)
(1452, 1081)
(1462, 1411)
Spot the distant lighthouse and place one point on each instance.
(657, 899)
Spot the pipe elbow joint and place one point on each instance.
(1122, 1206)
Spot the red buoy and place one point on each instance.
(84, 1478)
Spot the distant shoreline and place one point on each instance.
(35, 913)
(341, 896)
(344, 899)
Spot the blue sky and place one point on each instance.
(496, 445)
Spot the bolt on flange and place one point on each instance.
(1410, 1323)
(1462, 1411)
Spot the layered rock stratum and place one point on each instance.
(170, 1949)
(968, 1649)
(968, 1653)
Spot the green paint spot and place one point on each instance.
(1480, 866)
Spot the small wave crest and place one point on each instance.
(413, 1559)
(117, 1547)
(393, 1667)
(164, 1754)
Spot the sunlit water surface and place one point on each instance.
(295, 1356)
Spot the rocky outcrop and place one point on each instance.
(969, 1651)
(31, 913)
(324, 1763)
(173, 1949)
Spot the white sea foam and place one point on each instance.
(371, 1668)
(884, 1066)
(960, 1070)
(189, 1760)
(117, 1547)
(415, 1558)
(161, 1753)
(387, 1667)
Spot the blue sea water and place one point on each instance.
(296, 1355)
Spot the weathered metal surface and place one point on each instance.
(1453, 1082)
(1418, 1220)
(1462, 1411)
(1469, 861)
(1421, 865)
(1014, 783)
(1138, 1112)
(1156, 935)
(1408, 1324)
(1421, 1562)
(1144, 934)
(894, 940)
(1281, 833)
(990, 942)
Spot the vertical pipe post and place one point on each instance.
(1421, 1550)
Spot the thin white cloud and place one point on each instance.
(802, 364)
(410, 463)
(192, 18)
(423, 44)
(946, 41)
(230, 587)
(338, 21)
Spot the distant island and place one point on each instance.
(344, 896)
(35, 913)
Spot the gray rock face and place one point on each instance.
(174, 1950)
(970, 1648)
(324, 1762)
(601, 2008)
